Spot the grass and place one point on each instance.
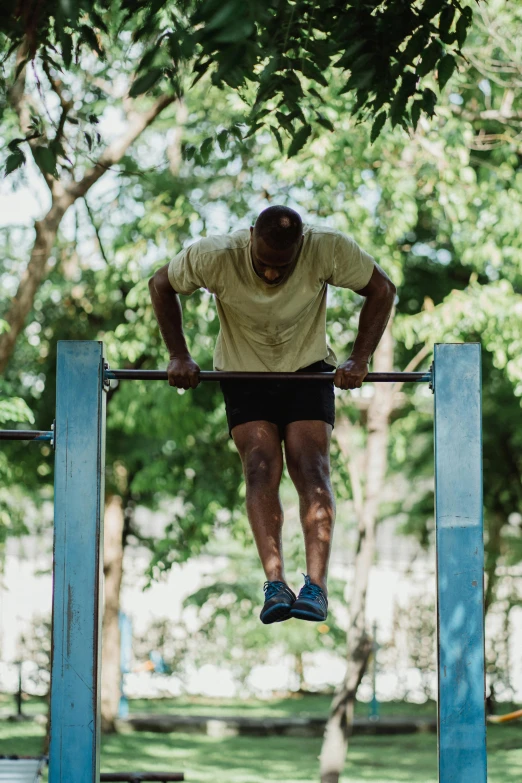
(302, 705)
(384, 759)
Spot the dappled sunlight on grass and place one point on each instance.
(385, 759)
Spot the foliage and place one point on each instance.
(440, 212)
(278, 57)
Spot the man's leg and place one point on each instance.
(307, 450)
(259, 447)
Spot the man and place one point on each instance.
(270, 286)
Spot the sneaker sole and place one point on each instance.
(302, 614)
(276, 614)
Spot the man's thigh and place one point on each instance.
(308, 438)
(259, 445)
(307, 452)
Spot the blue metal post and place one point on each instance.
(460, 564)
(78, 533)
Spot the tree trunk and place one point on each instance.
(113, 570)
(359, 644)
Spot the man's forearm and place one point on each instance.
(167, 309)
(375, 314)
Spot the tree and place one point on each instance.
(439, 211)
(275, 55)
(366, 502)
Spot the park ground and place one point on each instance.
(374, 759)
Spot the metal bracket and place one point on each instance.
(432, 382)
(106, 381)
(53, 435)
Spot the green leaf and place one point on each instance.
(377, 126)
(145, 82)
(66, 44)
(236, 131)
(415, 46)
(415, 113)
(316, 94)
(358, 81)
(98, 20)
(433, 53)
(324, 122)
(237, 32)
(311, 71)
(431, 8)
(222, 139)
(348, 54)
(88, 35)
(445, 70)
(398, 107)
(13, 145)
(14, 161)
(277, 137)
(285, 121)
(57, 148)
(463, 25)
(205, 148)
(45, 159)
(299, 140)
(147, 59)
(188, 151)
(429, 101)
(445, 22)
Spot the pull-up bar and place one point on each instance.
(81, 383)
(206, 375)
(26, 435)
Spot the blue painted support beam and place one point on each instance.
(460, 563)
(78, 530)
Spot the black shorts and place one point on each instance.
(280, 401)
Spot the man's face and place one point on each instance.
(272, 265)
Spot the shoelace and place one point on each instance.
(272, 588)
(312, 591)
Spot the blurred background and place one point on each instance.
(440, 209)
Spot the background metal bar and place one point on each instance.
(26, 435)
(78, 529)
(460, 564)
(138, 777)
(206, 375)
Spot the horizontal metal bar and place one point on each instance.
(205, 375)
(137, 777)
(26, 435)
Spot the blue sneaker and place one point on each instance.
(311, 603)
(278, 602)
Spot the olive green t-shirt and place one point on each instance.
(271, 328)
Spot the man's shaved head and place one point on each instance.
(280, 227)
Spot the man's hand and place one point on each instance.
(183, 372)
(351, 373)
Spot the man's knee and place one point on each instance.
(262, 467)
(309, 472)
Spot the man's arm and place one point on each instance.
(182, 370)
(375, 313)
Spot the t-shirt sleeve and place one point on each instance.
(352, 266)
(191, 269)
